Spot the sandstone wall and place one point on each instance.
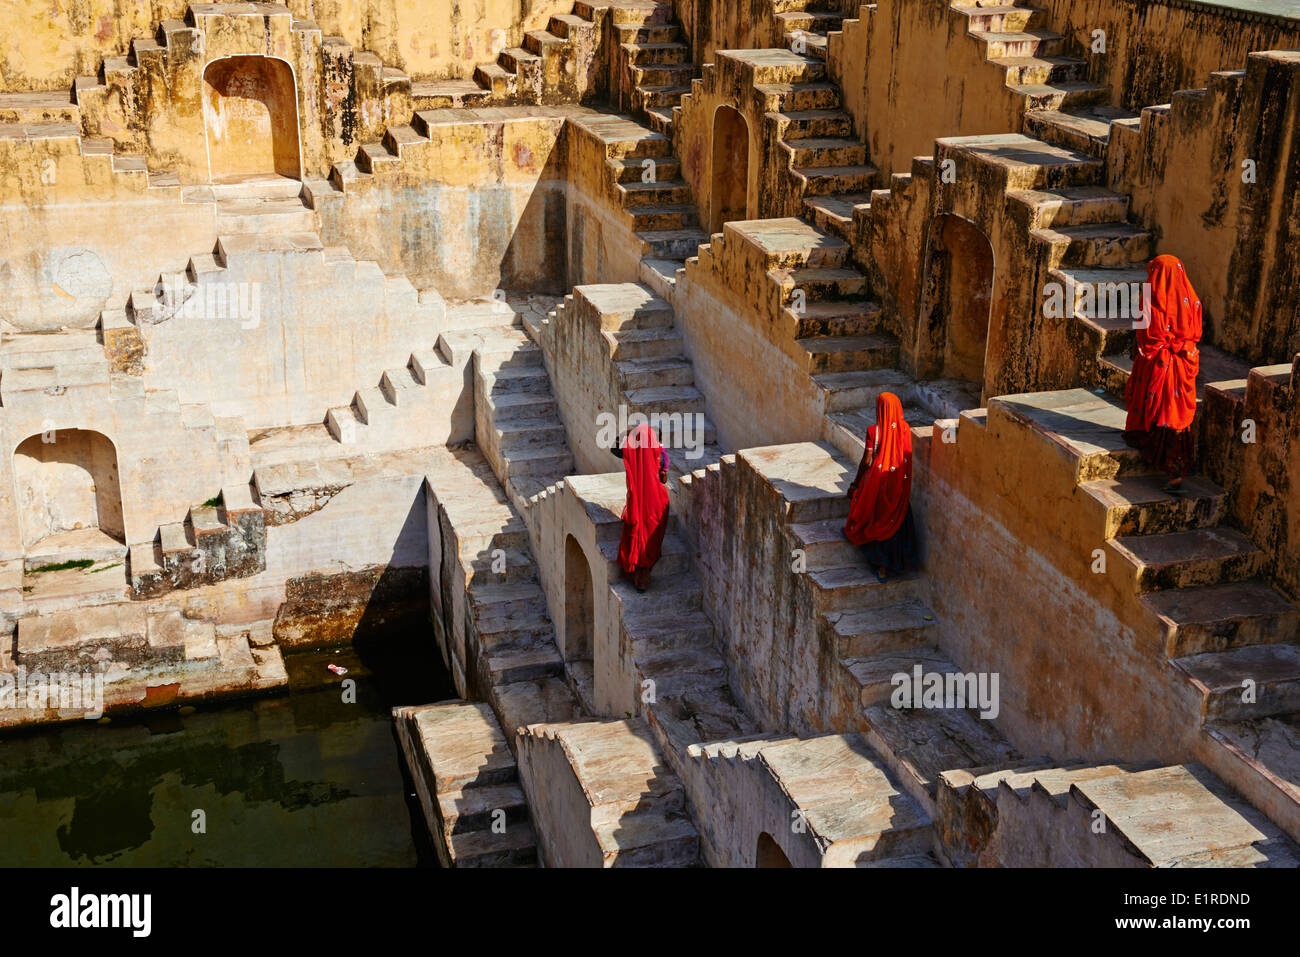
(46, 46)
(482, 206)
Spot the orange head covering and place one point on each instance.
(1162, 387)
(880, 498)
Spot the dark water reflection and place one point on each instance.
(304, 778)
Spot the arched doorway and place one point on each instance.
(769, 853)
(959, 271)
(729, 190)
(68, 489)
(250, 108)
(579, 603)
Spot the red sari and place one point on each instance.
(881, 494)
(645, 516)
(1161, 391)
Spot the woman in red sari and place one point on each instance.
(1161, 391)
(645, 516)
(880, 510)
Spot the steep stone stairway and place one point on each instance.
(834, 329)
(468, 783)
(516, 419)
(502, 649)
(1219, 624)
(827, 161)
(654, 66)
(648, 369)
(804, 24)
(660, 212)
(670, 638)
(1060, 105)
(875, 630)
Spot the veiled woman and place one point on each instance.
(645, 516)
(1161, 391)
(880, 510)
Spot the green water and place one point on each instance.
(301, 779)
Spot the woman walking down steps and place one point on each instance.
(1161, 391)
(645, 516)
(880, 509)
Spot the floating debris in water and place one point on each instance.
(337, 669)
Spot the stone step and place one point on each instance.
(658, 194)
(797, 97)
(835, 213)
(510, 663)
(847, 353)
(664, 218)
(855, 587)
(655, 373)
(1073, 206)
(1211, 618)
(683, 398)
(464, 810)
(663, 51)
(883, 629)
(1097, 244)
(517, 847)
(1064, 94)
(918, 744)
(666, 169)
(1200, 556)
(1000, 18)
(1083, 127)
(676, 244)
(802, 124)
(1260, 757)
(835, 317)
(1031, 69)
(825, 151)
(1032, 42)
(823, 283)
(878, 674)
(1130, 505)
(1246, 683)
(826, 180)
(645, 343)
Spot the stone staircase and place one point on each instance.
(31, 149)
(1104, 815)
(654, 66)
(648, 364)
(1060, 105)
(468, 783)
(608, 798)
(836, 804)
(835, 330)
(506, 653)
(660, 211)
(804, 24)
(220, 539)
(1219, 623)
(516, 418)
(669, 637)
(874, 629)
